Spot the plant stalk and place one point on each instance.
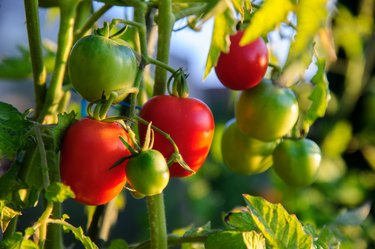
(157, 222)
(36, 53)
(64, 42)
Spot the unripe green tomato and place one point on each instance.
(147, 172)
(266, 112)
(100, 65)
(243, 154)
(297, 162)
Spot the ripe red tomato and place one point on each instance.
(89, 149)
(242, 67)
(188, 121)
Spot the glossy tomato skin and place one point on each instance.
(189, 122)
(243, 154)
(89, 149)
(266, 112)
(148, 172)
(97, 64)
(242, 67)
(297, 162)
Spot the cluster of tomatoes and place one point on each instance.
(260, 134)
(99, 156)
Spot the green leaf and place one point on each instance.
(15, 68)
(241, 6)
(224, 26)
(79, 235)
(6, 215)
(280, 229)
(354, 217)
(270, 15)
(64, 121)
(58, 192)
(224, 240)
(10, 183)
(320, 94)
(198, 231)
(118, 244)
(311, 16)
(16, 241)
(13, 127)
(239, 219)
(254, 240)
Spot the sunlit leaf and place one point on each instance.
(241, 6)
(235, 239)
(311, 16)
(266, 19)
(281, 229)
(58, 192)
(17, 241)
(6, 215)
(240, 219)
(80, 235)
(224, 25)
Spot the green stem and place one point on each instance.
(65, 41)
(157, 221)
(166, 21)
(43, 156)
(91, 21)
(36, 54)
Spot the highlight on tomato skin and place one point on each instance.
(89, 150)
(243, 67)
(190, 124)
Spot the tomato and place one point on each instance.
(148, 172)
(89, 150)
(243, 154)
(243, 66)
(266, 112)
(297, 162)
(100, 65)
(188, 121)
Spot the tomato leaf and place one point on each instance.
(354, 217)
(198, 231)
(6, 215)
(224, 25)
(266, 18)
(16, 241)
(80, 235)
(64, 121)
(280, 229)
(235, 239)
(241, 6)
(118, 244)
(58, 192)
(239, 219)
(15, 68)
(13, 127)
(311, 16)
(319, 96)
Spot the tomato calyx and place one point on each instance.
(177, 84)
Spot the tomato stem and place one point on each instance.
(90, 22)
(36, 53)
(157, 221)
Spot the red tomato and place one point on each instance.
(90, 148)
(242, 67)
(188, 121)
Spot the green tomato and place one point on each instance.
(147, 172)
(297, 162)
(266, 112)
(100, 65)
(243, 154)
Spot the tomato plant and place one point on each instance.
(297, 162)
(89, 150)
(266, 112)
(242, 67)
(243, 154)
(147, 172)
(188, 121)
(99, 65)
